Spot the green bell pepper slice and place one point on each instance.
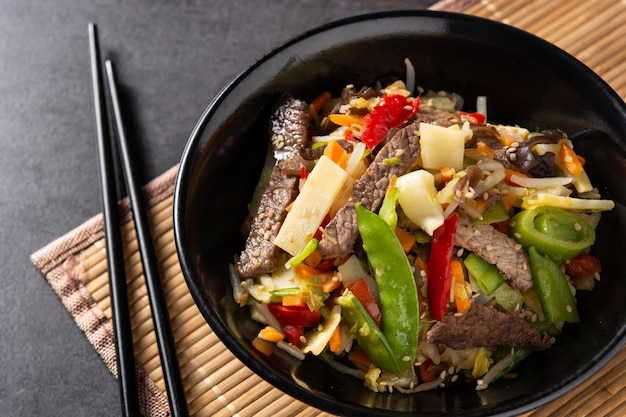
(554, 232)
(487, 276)
(557, 301)
(367, 334)
(495, 214)
(396, 287)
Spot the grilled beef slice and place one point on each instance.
(288, 135)
(496, 248)
(486, 327)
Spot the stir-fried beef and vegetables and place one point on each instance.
(412, 244)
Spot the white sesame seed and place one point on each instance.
(513, 157)
(477, 232)
(569, 308)
(489, 247)
(577, 227)
(517, 235)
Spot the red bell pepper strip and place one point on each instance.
(294, 315)
(439, 269)
(360, 289)
(294, 334)
(480, 118)
(391, 111)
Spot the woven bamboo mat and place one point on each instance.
(218, 384)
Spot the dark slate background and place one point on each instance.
(172, 57)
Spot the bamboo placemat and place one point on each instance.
(217, 383)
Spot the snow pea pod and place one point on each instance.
(367, 333)
(557, 301)
(554, 232)
(396, 286)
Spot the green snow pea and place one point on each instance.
(367, 334)
(396, 286)
(557, 301)
(554, 232)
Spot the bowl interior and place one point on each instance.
(526, 81)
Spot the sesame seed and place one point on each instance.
(596, 276)
(303, 339)
(256, 254)
(577, 227)
(459, 253)
(515, 144)
(489, 247)
(517, 235)
(477, 232)
(518, 247)
(268, 225)
(512, 224)
(510, 149)
(569, 308)
(262, 216)
(423, 273)
(320, 327)
(443, 374)
(513, 157)
(271, 213)
(524, 266)
(406, 358)
(267, 236)
(244, 283)
(454, 378)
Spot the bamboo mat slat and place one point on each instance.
(216, 383)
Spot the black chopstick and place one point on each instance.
(122, 329)
(165, 340)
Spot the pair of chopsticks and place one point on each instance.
(115, 257)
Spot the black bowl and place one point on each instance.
(527, 81)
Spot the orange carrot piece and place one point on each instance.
(506, 138)
(336, 153)
(447, 173)
(345, 119)
(485, 149)
(407, 240)
(461, 299)
(508, 200)
(293, 301)
(425, 371)
(304, 271)
(335, 340)
(270, 334)
(331, 283)
(359, 358)
(313, 259)
(570, 159)
(509, 172)
(320, 101)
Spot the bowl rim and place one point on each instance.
(184, 173)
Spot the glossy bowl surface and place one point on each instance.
(527, 82)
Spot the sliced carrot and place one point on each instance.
(506, 138)
(447, 173)
(304, 271)
(331, 283)
(407, 240)
(359, 358)
(336, 153)
(461, 299)
(320, 101)
(270, 334)
(335, 340)
(345, 119)
(570, 159)
(421, 263)
(508, 200)
(313, 259)
(293, 301)
(485, 149)
(509, 172)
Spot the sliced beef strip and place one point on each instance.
(288, 135)
(259, 254)
(342, 232)
(496, 248)
(289, 128)
(484, 326)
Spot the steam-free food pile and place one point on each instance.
(411, 244)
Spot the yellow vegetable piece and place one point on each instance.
(441, 147)
(308, 210)
(418, 198)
